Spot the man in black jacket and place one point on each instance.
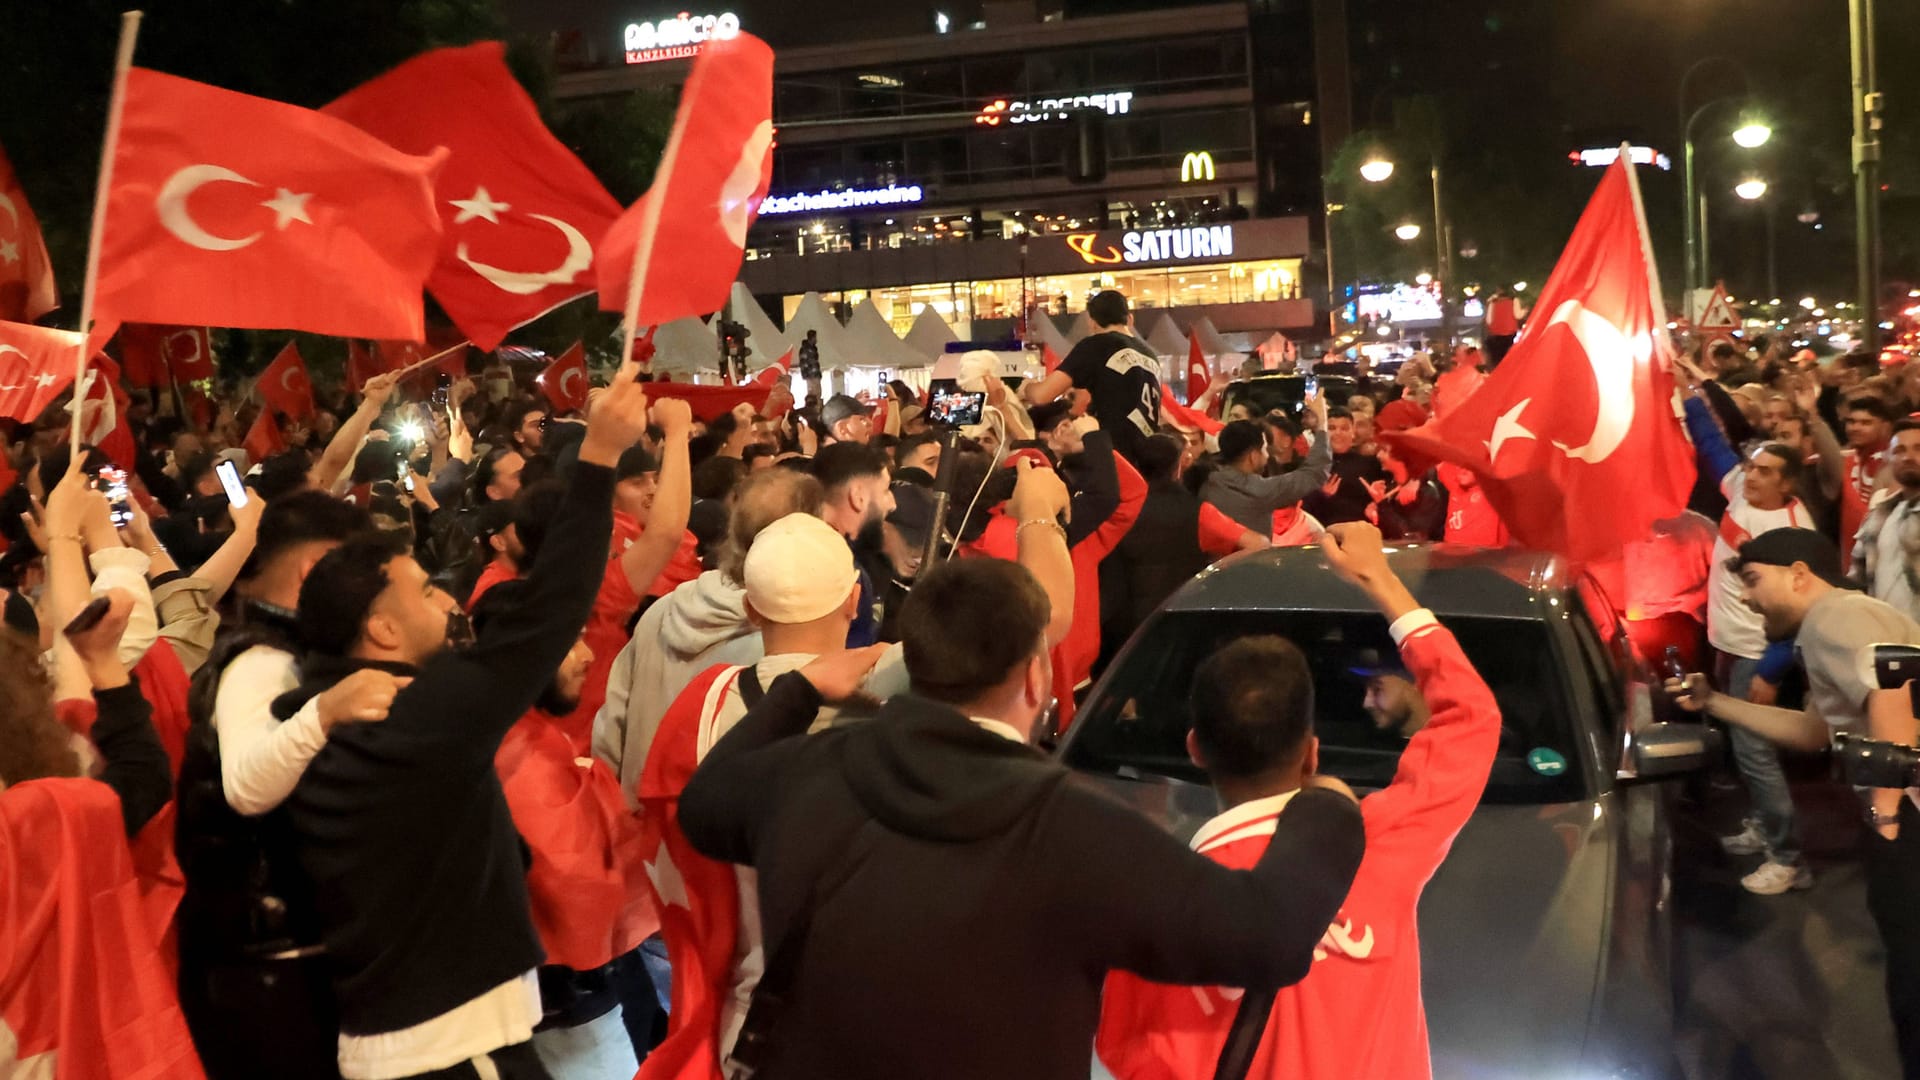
(402, 825)
(942, 900)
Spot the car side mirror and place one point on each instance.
(1663, 750)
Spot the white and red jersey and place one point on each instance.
(1862, 470)
(1732, 626)
(1358, 1013)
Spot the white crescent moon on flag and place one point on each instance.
(171, 205)
(571, 374)
(524, 283)
(287, 381)
(1613, 357)
(14, 349)
(13, 212)
(736, 195)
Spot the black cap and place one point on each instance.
(912, 512)
(492, 518)
(841, 407)
(635, 461)
(1785, 547)
(1048, 416)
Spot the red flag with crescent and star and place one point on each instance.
(264, 438)
(1184, 418)
(161, 355)
(1197, 376)
(285, 385)
(1575, 437)
(27, 290)
(777, 372)
(518, 206)
(104, 412)
(715, 171)
(36, 366)
(565, 381)
(230, 210)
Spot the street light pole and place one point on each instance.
(1442, 253)
(1866, 166)
(1695, 268)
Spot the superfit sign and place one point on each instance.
(677, 37)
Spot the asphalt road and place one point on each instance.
(1788, 986)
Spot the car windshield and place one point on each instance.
(1365, 707)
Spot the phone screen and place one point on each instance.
(229, 475)
(1313, 385)
(442, 386)
(114, 483)
(957, 407)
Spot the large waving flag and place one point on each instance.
(36, 366)
(1574, 436)
(520, 210)
(26, 274)
(230, 210)
(687, 235)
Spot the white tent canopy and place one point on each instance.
(1083, 328)
(1045, 332)
(874, 343)
(836, 351)
(1211, 343)
(929, 335)
(764, 338)
(1166, 338)
(686, 345)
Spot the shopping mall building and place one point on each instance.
(958, 166)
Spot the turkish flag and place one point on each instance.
(285, 385)
(36, 366)
(1197, 376)
(777, 372)
(565, 381)
(518, 207)
(1184, 418)
(1049, 359)
(160, 355)
(264, 438)
(711, 179)
(1574, 437)
(26, 274)
(230, 210)
(711, 402)
(104, 413)
(364, 364)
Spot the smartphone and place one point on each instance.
(1313, 385)
(442, 389)
(229, 475)
(114, 482)
(403, 472)
(89, 616)
(957, 407)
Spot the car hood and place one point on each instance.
(1511, 929)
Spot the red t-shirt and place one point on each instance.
(1358, 1013)
(1861, 473)
(1471, 519)
(1219, 534)
(492, 574)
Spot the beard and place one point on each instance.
(871, 537)
(555, 701)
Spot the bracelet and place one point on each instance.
(74, 537)
(1025, 525)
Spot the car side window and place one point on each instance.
(1603, 673)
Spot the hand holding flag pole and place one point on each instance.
(116, 105)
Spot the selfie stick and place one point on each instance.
(942, 495)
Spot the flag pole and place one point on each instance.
(116, 104)
(650, 221)
(1646, 252)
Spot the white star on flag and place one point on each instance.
(288, 207)
(481, 205)
(45, 380)
(1508, 427)
(667, 883)
(9, 251)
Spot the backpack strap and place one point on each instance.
(748, 683)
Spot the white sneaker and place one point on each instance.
(1748, 841)
(1774, 878)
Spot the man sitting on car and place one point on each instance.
(1358, 1014)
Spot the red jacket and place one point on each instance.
(1358, 1014)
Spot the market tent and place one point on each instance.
(686, 345)
(1043, 331)
(1083, 328)
(1211, 343)
(1166, 338)
(929, 335)
(836, 351)
(875, 345)
(764, 338)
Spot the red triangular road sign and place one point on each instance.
(1719, 313)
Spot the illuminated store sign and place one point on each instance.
(679, 37)
(1113, 103)
(1196, 166)
(1154, 245)
(800, 202)
(1602, 156)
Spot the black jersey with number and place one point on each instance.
(1122, 374)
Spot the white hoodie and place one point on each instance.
(687, 631)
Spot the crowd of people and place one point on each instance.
(482, 739)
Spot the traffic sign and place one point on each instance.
(1719, 313)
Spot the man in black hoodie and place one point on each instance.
(941, 900)
(419, 874)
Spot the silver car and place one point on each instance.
(1545, 936)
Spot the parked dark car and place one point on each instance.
(1545, 937)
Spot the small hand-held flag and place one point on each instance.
(285, 386)
(1574, 436)
(676, 251)
(26, 274)
(264, 438)
(1197, 377)
(565, 381)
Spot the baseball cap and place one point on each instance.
(912, 512)
(634, 461)
(1048, 416)
(1784, 547)
(799, 569)
(841, 407)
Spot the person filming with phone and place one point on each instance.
(1792, 578)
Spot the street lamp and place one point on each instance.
(1751, 188)
(1752, 135)
(1409, 231)
(1376, 170)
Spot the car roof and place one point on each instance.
(1452, 579)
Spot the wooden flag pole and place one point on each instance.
(116, 104)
